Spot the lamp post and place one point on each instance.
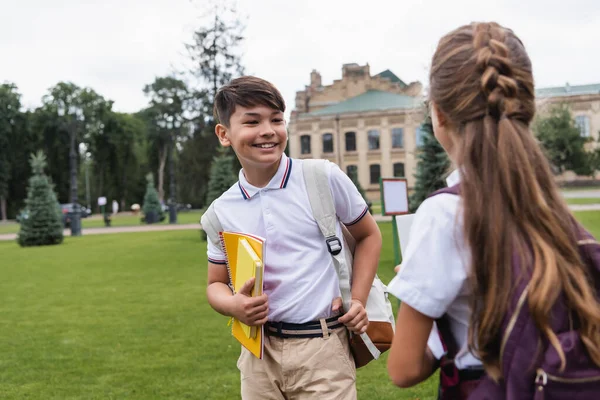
(172, 201)
(75, 214)
(87, 181)
(171, 125)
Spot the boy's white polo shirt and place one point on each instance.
(300, 279)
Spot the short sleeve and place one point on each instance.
(214, 251)
(433, 270)
(350, 206)
(215, 254)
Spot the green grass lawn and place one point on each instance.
(121, 317)
(583, 200)
(125, 316)
(579, 189)
(188, 217)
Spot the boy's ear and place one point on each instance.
(221, 132)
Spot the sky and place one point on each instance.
(118, 46)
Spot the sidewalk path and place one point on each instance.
(181, 227)
(580, 194)
(121, 229)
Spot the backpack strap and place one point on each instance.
(323, 208)
(211, 225)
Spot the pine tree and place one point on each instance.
(152, 209)
(562, 141)
(353, 175)
(432, 166)
(43, 224)
(221, 175)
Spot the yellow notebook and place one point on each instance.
(249, 265)
(245, 255)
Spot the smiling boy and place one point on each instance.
(306, 354)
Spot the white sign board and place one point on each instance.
(101, 201)
(404, 223)
(395, 196)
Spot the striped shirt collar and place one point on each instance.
(279, 180)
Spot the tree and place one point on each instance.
(43, 224)
(221, 175)
(10, 105)
(152, 209)
(353, 175)
(432, 165)
(22, 144)
(562, 141)
(168, 101)
(123, 132)
(82, 114)
(215, 54)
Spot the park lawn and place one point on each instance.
(579, 189)
(583, 200)
(184, 217)
(125, 316)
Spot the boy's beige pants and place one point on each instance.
(300, 369)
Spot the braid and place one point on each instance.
(498, 84)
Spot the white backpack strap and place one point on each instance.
(323, 208)
(211, 225)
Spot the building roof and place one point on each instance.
(568, 90)
(391, 76)
(376, 100)
(372, 100)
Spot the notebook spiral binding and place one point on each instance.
(230, 284)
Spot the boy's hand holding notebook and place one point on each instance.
(245, 255)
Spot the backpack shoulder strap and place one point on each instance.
(319, 194)
(455, 190)
(211, 225)
(323, 208)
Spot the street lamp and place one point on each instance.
(76, 115)
(171, 125)
(176, 125)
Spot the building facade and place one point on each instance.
(371, 124)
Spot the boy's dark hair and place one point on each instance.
(246, 91)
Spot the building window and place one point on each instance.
(420, 136)
(305, 144)
(328, 143)
(583, 123)
(350, 141)
(352, 171)
(375, 173)
(397, 138)
(399, 170)
(373, 139)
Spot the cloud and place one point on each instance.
(116, 47)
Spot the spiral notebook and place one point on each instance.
(245, 255)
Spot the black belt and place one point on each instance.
(311, 329)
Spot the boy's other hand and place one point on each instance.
(356, 319)
(252, 311)
(397, 268)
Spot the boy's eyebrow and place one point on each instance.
(255, 114)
